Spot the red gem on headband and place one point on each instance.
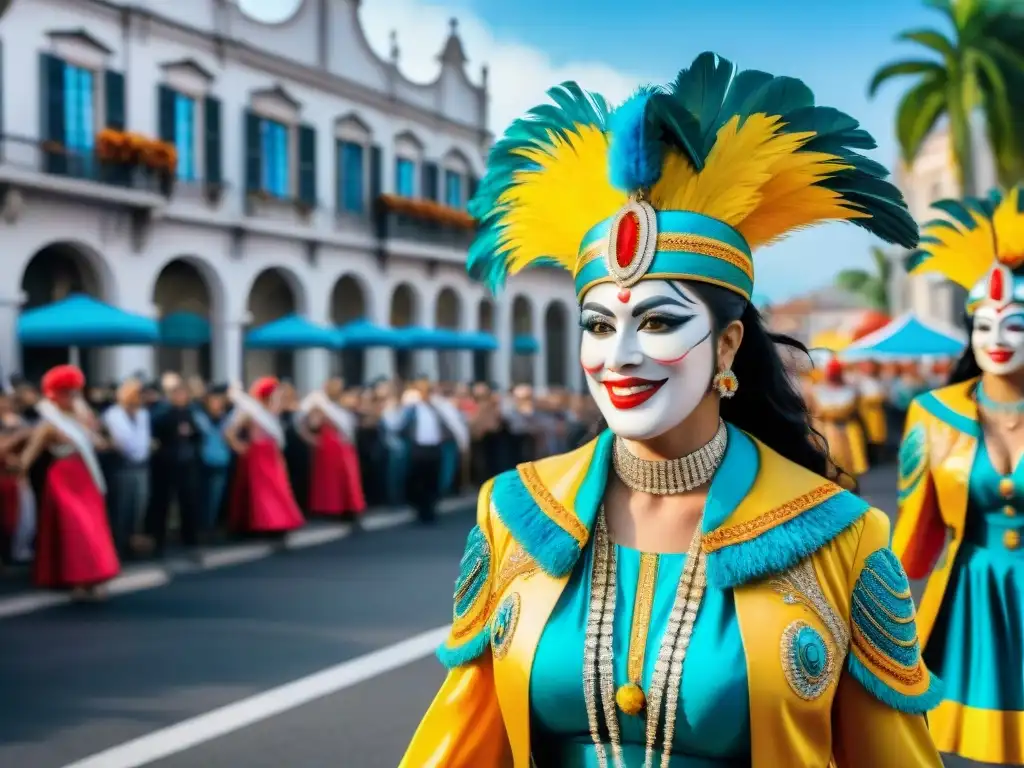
(996, 288)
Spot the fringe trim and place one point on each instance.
(460, 655)
(901, 702)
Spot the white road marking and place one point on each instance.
(312, 537)
(241, 714)
(235, 555)
(129, 581)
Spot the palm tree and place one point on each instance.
(873, 287)
(981, 68)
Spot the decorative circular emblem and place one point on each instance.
(504, 626)
(807, 660)
(473, 572)
(632, 241)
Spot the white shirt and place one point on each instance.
(130, 434)
(428, 425)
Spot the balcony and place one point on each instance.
(47, 167)
(423, 228)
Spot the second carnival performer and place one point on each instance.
(335, 483)
(74, 548)
(261, 494)
(871, 400)
(688, 588)
(961, 491)
(834, 403)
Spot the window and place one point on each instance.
(79, 112)
(453, 189)
(352, 161)
(275, 178)
(185, 135)
(405, 177)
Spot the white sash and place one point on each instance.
(453, 420)
(342, 420)
(77, 435)
(267, 421)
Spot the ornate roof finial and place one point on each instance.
(395, 51)
(453, 54)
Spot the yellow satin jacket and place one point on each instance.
(791, 545)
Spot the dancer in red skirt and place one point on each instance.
(261, 496)
(74, 547)
(335, 484)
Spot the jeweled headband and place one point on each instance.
(979, 245)
(679, 182)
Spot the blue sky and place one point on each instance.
(611, 46)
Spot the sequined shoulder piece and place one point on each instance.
(913, 460)
(471, 612)
(885, 652)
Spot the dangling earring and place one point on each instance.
(725, 383)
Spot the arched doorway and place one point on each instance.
(404, 311)
(183, 299)
(348, 303)
(522, 333)
(54, 273)
(556, 344)
(273, 295)
(448, 314)
(481, 357)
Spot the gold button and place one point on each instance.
(1011, 539)
(1010, 511)
(1006, 487)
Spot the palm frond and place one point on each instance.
(900, 68)
(933, 40)
(917, 114)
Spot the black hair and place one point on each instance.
(967, 366)
(767, 405)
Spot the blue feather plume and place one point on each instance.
(635, 153)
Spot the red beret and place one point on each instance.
(833, 368)
(63, 378)
(263, 387)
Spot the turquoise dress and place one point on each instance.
(713, 722)
(977, 645)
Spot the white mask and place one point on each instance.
(998, 338)
(648, 354)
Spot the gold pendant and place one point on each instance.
(630, 698)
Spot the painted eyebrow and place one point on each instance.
(652, 303)
(679, 292)
(601, 309)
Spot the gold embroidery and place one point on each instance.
(800, 585)
(887, 635)
(684, 243)
(551, 506)
(468, 582)
(751, 529)
(909, 676)
(642, 607)
(517, 563)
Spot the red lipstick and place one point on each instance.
(631, 392)
(1000, 355)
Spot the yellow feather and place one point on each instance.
(553, 207)
(962, 255)
(1009, 225)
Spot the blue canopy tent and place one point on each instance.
(449, 339)
(82, 321)
(362, 334)
(525, 344)
(479, 341)
(291, 332)
(907, 336)
(184, 330)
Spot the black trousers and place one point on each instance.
(180, 482)
(424, 480)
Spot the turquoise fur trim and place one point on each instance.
(947, 415)
(554, 549)
(635, 153)
(676, 222)
(474, 570)
(785, 545)
(672, 265)
(808, 660)
(456, 656)
(882, 609)
(913, 460)
(733, 480)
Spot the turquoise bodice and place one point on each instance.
(712, 725)
(996, 505)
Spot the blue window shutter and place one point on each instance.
(211, 145)
(51, 111)
(339, 175)
(307, 164)
(430, 177)
(375, 173)
(165, 113)
(474, 182)
(253, 151)
(114, 95)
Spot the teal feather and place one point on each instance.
(635, 152)
(676, 127)
(700, 90)
(915, 260)
(957, 210)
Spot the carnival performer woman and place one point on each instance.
(74, 548)
(335, 483)
(871, 399)
(961, 489)
(688, 589)
(836, 415)
(261, 495)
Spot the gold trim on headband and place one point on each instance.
(684, 243)
(670, 276)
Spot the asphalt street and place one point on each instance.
(107, 686)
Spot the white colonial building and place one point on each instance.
(312, 178)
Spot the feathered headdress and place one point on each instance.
(681, 182)
(979, 246)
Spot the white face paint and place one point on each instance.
(998, 338)
(648, 354)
